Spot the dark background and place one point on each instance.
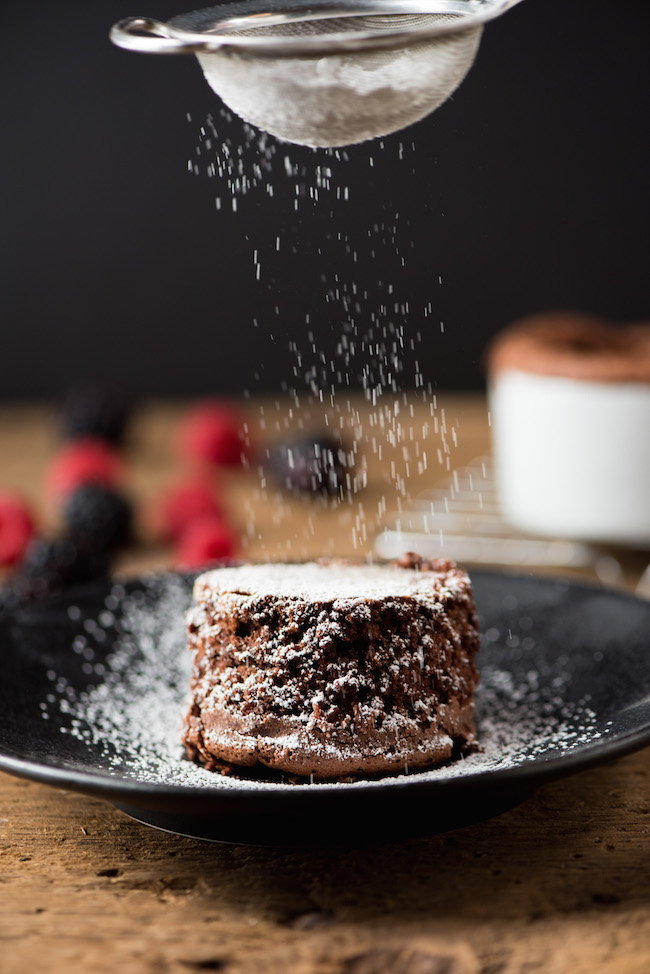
(526, 191)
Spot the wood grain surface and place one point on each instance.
(559, 885)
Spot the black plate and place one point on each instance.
(92, 685)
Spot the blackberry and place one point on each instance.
(312, 465)
(97, 519)
(94, 409)
(51, 566)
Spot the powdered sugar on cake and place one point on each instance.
(322, 582)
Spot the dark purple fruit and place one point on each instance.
(94, 409)
(51, 565)
(309, 465)
(97, 519)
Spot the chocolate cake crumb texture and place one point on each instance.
(331, 669)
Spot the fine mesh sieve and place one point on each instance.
(329, 73)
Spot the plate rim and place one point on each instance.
(529, 774)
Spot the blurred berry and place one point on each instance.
(184, 503)
(53, 565)
(310, 465)
(97, 518)
(94, 409)
(212, 432)
(84, 461)
(16, 528)
(206, 541)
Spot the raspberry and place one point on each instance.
(84, 461)
(207, 540)
(97, 518)
(184, 503)
(211, 432)
(94, 409)
(16, 528)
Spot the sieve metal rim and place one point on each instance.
(147, 35)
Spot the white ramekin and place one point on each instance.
(572, 457)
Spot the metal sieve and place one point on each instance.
(326, 73)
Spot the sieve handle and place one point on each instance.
(151, 37)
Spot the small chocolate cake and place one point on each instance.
(332, 669)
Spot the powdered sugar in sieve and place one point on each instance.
(326, 74)
(344, 98)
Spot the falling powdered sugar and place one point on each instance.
(130, 712)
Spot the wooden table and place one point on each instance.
(559, 884)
